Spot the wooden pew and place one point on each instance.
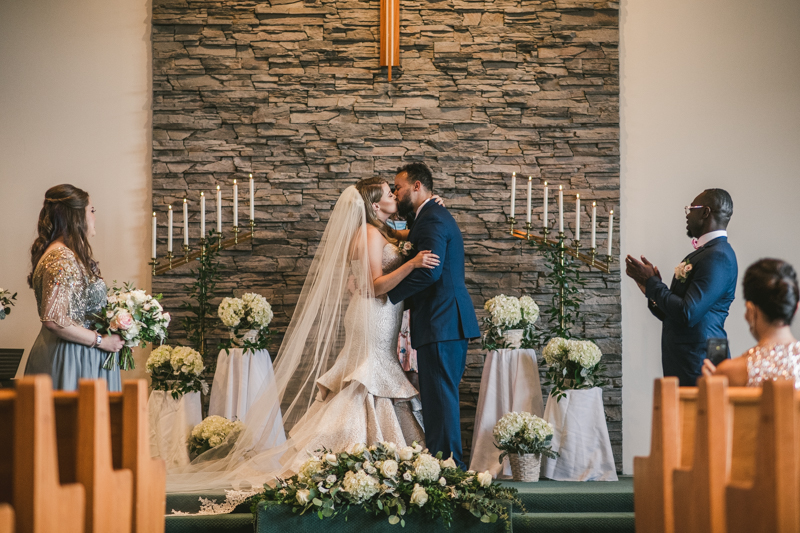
(85, 430)
(130, 446)
(763, 493)
(6, 518)
(41, 503)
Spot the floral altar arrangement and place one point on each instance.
(6, 301)
(573, 364)
(213, 432)
(524, 438)
(247, 318)
(510, 323)
(176, 370)
(135, 316)
(391, 480)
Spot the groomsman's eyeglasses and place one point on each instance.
(688, 208)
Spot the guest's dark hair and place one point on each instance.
(721, 204)
(64, 215)
(418, 172)
(771, 284)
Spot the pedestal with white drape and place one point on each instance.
(171, 423)
(510, 382)
(239, 377)
(580, 437)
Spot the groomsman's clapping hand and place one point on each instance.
(640, 271)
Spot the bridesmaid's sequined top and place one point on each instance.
(781, 361)
(65, 294)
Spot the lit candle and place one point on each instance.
(529, 199)
(577, 217)
(169, 232)
(219, 211)
(153, 255)
(202, 215)
(561, 209)
(235, 204)
(513, 192)
(252, 199)
(185, 223)
(610, 230)
(594, 225)
(546, 199)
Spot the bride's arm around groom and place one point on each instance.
(442, 315)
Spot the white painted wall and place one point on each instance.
(710, 98)
(74, 108)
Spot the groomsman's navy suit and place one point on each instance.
(442, 320)
(694, 310)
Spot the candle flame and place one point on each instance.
(530, 178)
(514, 174)
(201, 193)
(251, 176)
(234, 182)
(154, 213)
(612, 211)
(184, 200)
(594, 204)
(560, 187)
(577, 196)
(170, 207)
(545, 184)
(217, 187)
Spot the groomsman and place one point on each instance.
(694, 307)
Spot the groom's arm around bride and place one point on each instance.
(442, 315)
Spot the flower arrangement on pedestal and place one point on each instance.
(135, 316)
(6, 301)
(391, 480)
(213, 432)
(176, 370)
(573, 364)
(247, 319)
(510, 323)
(524, 438)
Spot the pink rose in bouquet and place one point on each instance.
(123, 321)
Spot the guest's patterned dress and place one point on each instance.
(781, 361)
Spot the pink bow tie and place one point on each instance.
(695, 244)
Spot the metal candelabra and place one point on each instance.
(159, 268)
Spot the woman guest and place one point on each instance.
(771, 294)
(69, 290)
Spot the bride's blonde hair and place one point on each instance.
(371, 190)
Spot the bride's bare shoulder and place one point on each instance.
(375, 237)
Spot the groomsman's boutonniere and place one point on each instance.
(682, 271)
(406, 248)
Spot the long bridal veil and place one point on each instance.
(314, 341)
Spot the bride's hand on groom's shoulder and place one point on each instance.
(438, 199)
(425, 259)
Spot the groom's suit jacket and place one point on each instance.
(441, 309)
(694, 310)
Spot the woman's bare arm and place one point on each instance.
(384, 283)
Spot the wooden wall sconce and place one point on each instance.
(390, 34)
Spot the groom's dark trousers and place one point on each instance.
(442, 321)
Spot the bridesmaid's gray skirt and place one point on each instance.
(67, 362)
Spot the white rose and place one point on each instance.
(449, 463)
(442, 481)
(358, 448)
(418, 496)
(408, 477)
(485, 479)
(417, 447)
(406, 454)
(302, 496)
(330, 480)
(389, 468)
(391, 447)
(331, 459)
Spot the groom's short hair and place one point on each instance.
(418, 172)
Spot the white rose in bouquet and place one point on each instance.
(485, 479)
(449, 462)
(418, 496)
(303, 496)
(389, 468)
(406, 454)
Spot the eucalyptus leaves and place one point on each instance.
(6, 301)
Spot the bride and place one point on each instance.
(338, 381)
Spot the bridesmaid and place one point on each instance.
(69, 290)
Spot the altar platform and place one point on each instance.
(551, 507)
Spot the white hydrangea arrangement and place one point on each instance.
(6, 301)
(523, 433)
(177, 370)
(385, 478)
(212, 432)
(573, 364)
(241, 315)
(509, 312)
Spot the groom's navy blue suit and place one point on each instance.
(442, 320)
(694, 310)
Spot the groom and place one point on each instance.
(442, 315)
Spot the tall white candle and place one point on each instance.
(235, 204)
(528, 219)
(561, 209)
(169, 231)
(202, 215)
(252, 199)
(577, 217)
(594, 225)
(513, 193)
(219, 211)
(153, 255)
(610, 229)
(546, 200)
(185, 223)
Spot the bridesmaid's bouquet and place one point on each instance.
(135, 316)
(6, 301)
(247, 319)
